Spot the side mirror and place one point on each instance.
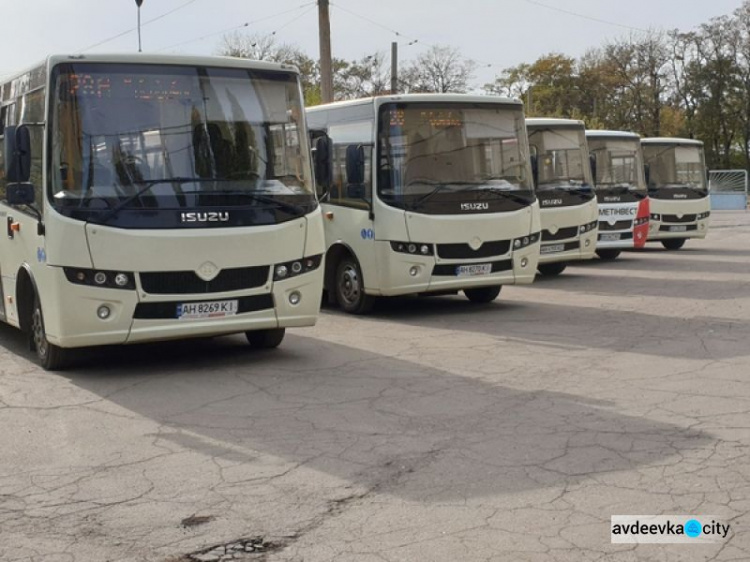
(535, 169)
(355, 191)
(647, 173)
(355, 164)
(17, 154)
(19, 194)
(323, 162)
(592, 163)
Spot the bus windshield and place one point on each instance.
(561, 161)
(430, 148)
(618, 164)
(134, 135)
(675, 166)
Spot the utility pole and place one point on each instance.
(394, 68)
(326, 65)
(139, 3)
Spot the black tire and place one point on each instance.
(265, 339)
(608, 255)
(551, 269)
(673, 243)
(483, 295)
(350, 288)
(50, 356)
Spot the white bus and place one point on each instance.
(562, 177)
(677, 189)
(427, 194)
(149, 198)
(617, 167)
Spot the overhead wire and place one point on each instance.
(132, 29)
(309, 5)
(583, 16)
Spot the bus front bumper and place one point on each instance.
(659, 230)
(414, 274)
(577, 249)
(74, 319)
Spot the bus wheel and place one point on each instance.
(673, 243)
(350, 289)
(551, 269)
(51, 357)
(608, 255)
(482, 295)
(265, 339)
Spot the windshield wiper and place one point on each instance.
(148, 184)
(289, 207)
(509, 195)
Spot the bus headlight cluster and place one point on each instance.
(703, 216)
(640, 221)
(416, 248)
(297, 267)
(520, 243)
(655, 217)
(100, 278)
(588, 227)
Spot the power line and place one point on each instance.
(583, 16)
(165, 14)
(309, 5)
(412, 40)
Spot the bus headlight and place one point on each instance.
(413, 248)
(588, 227)
(100, 278)
(520, 243)
(703, 216)
(640, 221)
(297, 267)
(655, 217)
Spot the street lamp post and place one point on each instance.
(138, 3)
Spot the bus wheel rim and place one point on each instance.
(349, 285)
(40, 339)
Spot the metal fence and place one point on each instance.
(728, 189)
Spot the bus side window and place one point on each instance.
(342, 190)
(3, 111)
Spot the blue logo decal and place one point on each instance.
(41, 255)
(693, 528)
(367, 234)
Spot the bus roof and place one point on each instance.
(601, 134)
(554, 122)
(418, 98)
(671, 141)
(142, 58)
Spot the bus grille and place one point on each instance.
(619, 225)
(675, 218)
(464, 251)
(561, 234)
(187, 282)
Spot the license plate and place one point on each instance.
(552, 249)
(679, 228)
(215, 309)
(472, 270)
(610, 237)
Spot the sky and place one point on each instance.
(497, 34)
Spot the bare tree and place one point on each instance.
(357, 79)
(441, 69)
